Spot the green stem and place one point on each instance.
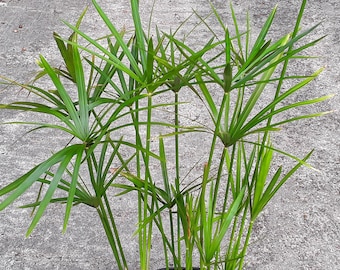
(229, 256)
(143, 236)
(159, 224)
(233, 249)
(216, 131)
(146, 232)
(218, 178)
(177, 179)
(135, 119)
(246, 243)
(112, 236)
(110, 230)
(230, 171)
(172, 232)
(115, 230)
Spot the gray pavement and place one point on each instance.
(299, 230)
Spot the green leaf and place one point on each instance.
(73, 187)
(19, 186)
(118, 37)
(139, 31)
(49, 193)
(66, 55)
(78, 128)
(274, 186)
(149, 64)
(108, 56)
(83, 110)
(226, 219)
(164, 168)
(263, 169)
(14, 185)
(227, 76)
(208, 98)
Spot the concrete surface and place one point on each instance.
(299, 230)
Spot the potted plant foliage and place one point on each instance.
(124, 89)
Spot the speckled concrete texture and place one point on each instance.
(300, 229)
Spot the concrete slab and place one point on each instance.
(299, 230)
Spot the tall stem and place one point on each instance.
(112, 235)
(114, 228)
(232, 255)
(146, 231)
(177, 177)
(246, 243)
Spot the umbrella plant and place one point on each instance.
(124, 88)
